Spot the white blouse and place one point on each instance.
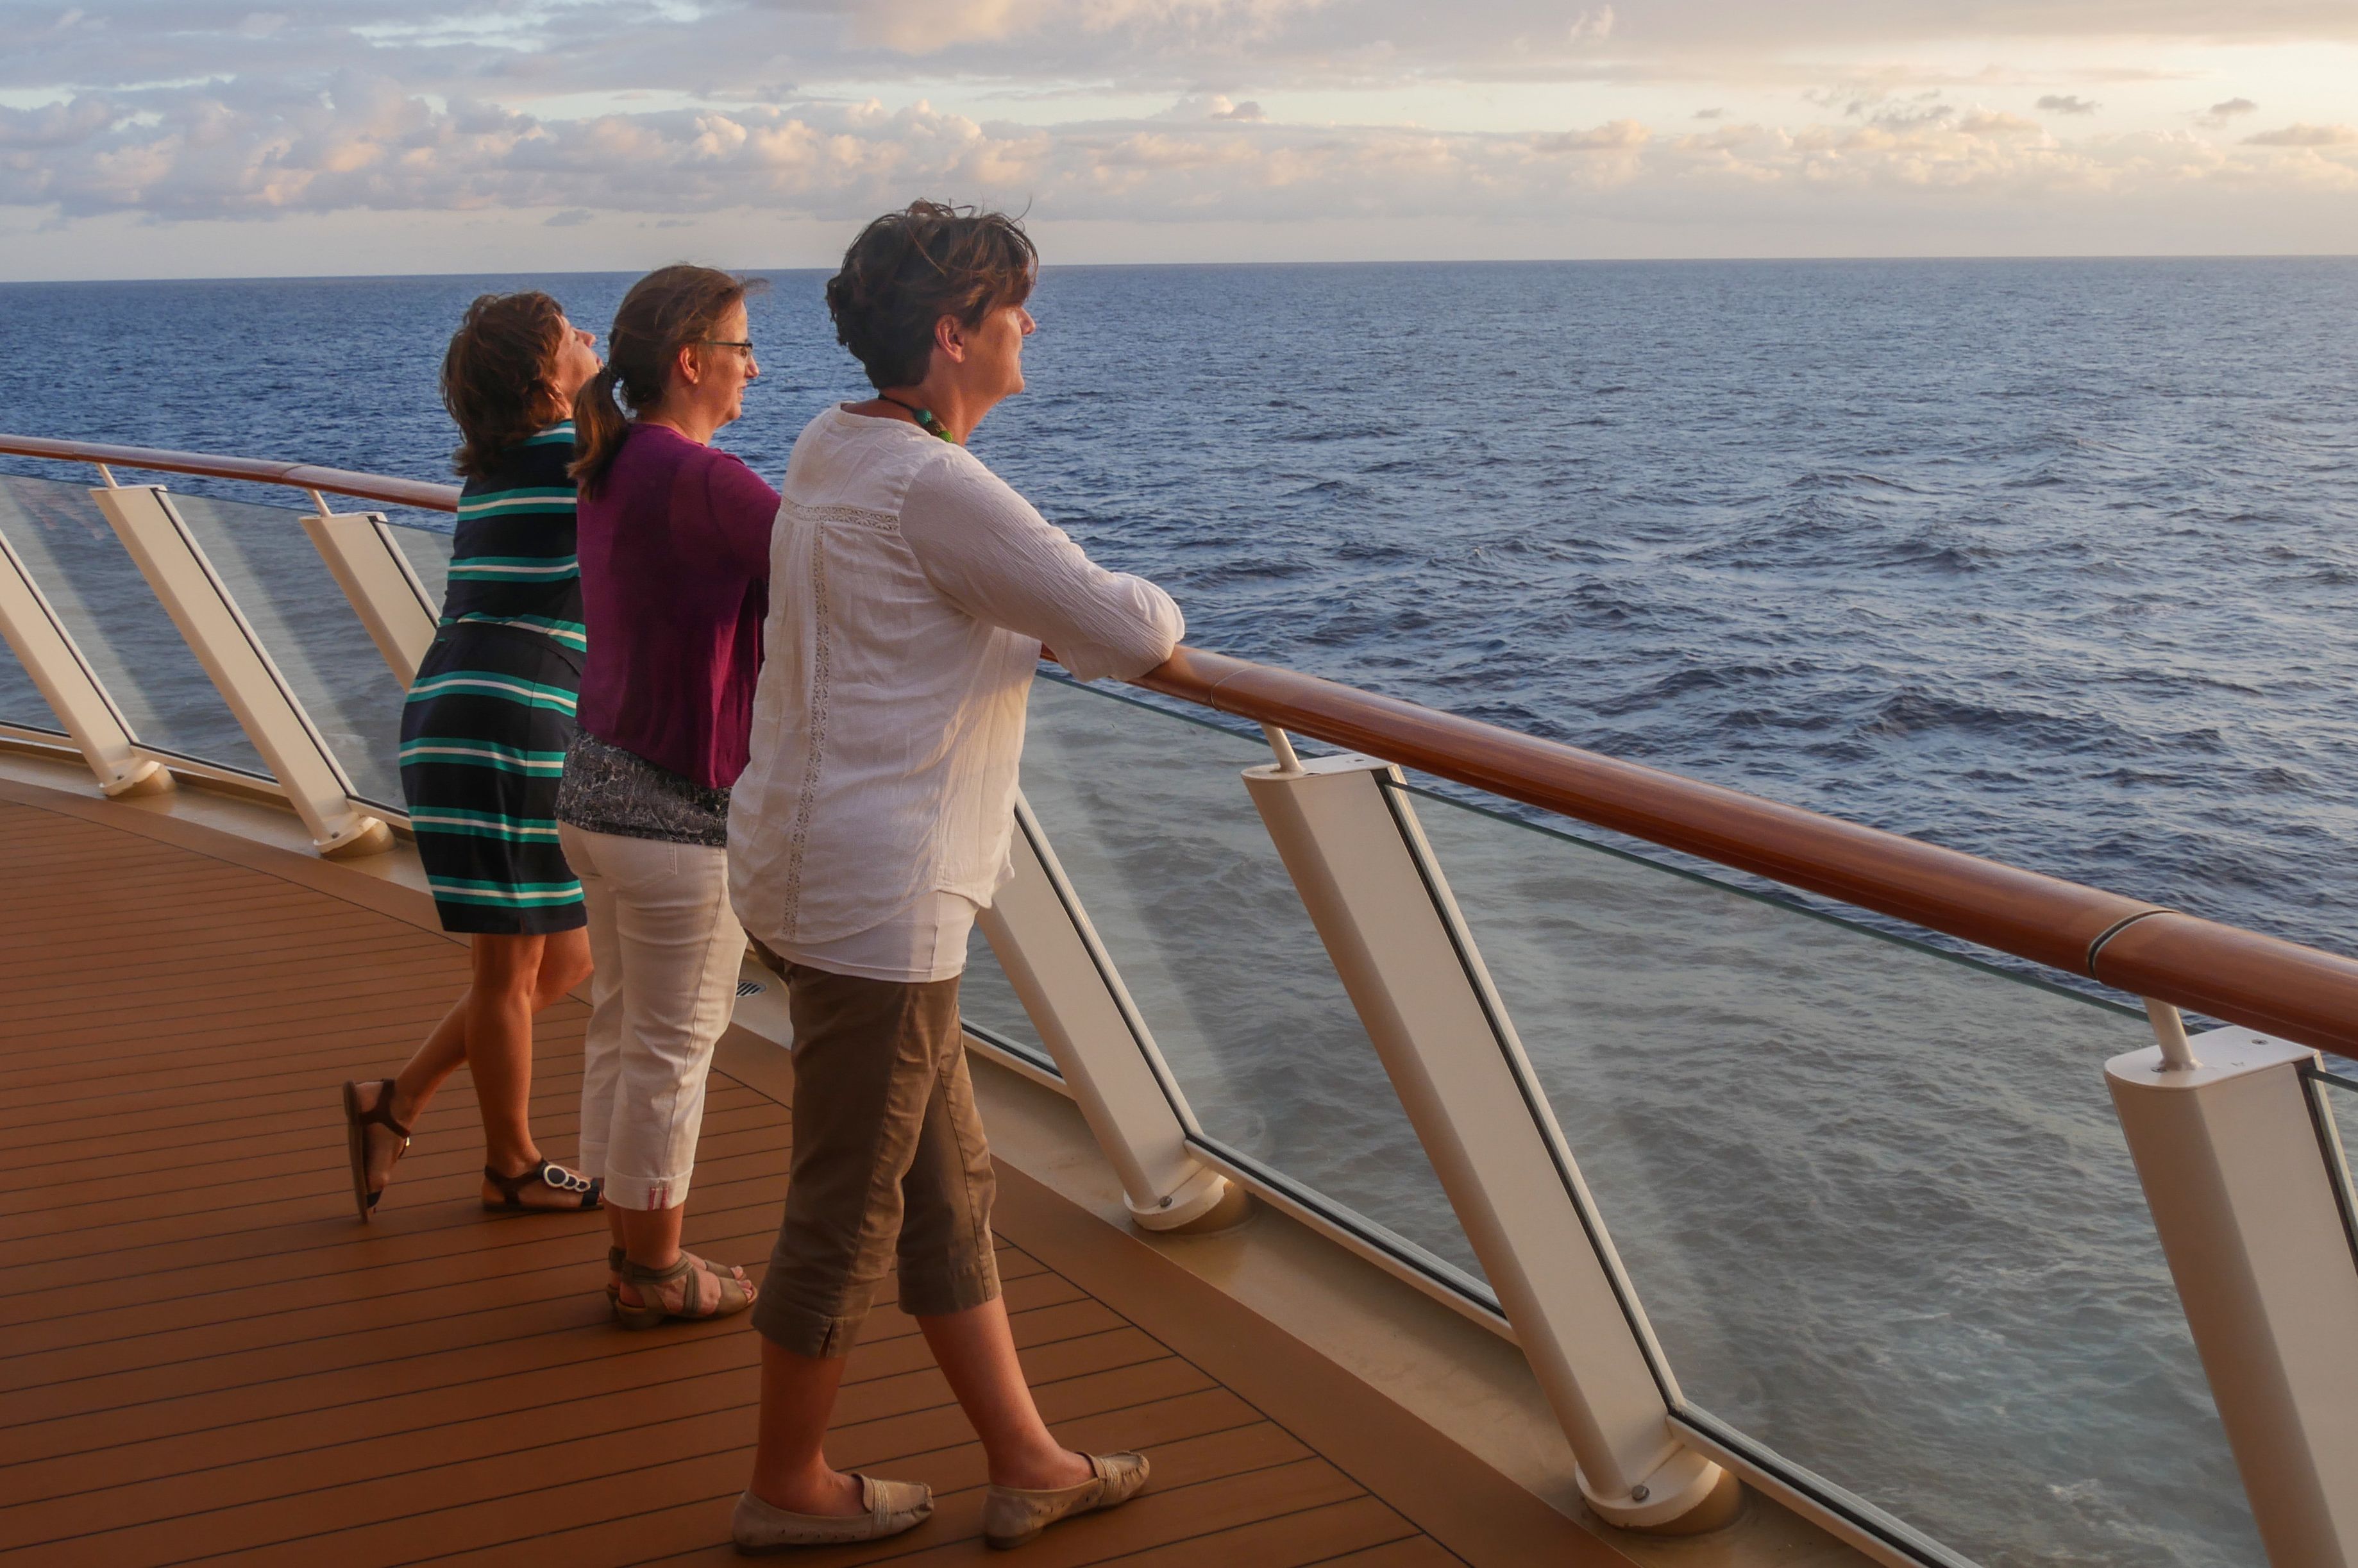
(910, 589)
(928, 941)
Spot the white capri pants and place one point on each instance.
(667, 947)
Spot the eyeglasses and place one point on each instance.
(744, 348)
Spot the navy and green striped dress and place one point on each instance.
(485, 733)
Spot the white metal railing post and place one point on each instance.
(2229, 1151)
(368, 564)
(1076, 1000)
(1377, 896)
(225, 644)
(69, 686)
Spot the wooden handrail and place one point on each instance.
(2278, 988)
(421, 493)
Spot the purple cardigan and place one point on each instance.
(674, 553)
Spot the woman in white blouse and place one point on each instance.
(912, 594)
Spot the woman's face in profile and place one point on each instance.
(575, 363)
(729, 367)
(995, 351)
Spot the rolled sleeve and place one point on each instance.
(988, 551)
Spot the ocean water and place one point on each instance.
(2044, 560)
(2049, 561)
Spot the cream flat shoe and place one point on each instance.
(893, 1506)
(1012, 1516)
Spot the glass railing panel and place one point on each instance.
(1153, 824)
(1873, 1199)
(2334, 1091)
(311, 633)
(988, 1004)
(21, 702)
(428, 550)
(91, 580)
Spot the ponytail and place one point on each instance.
(598, 430)
(665, 312)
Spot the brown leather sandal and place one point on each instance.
(547, 1174)
(356, 1125)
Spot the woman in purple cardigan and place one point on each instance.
(674, 542)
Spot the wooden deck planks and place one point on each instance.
(211, 1360)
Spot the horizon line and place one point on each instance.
(1145, 266)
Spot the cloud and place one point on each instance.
(727, 51)
(1614, 136)
(1405, 39)
(227, 150)
(1901, 119)
(2219, 114)
(1879, 107)
(2060, 103)
(2305, 136)
(1709, 113)
(1986, 123)
(1592, 26)
(1214, 107)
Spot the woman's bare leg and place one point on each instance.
(976, 1351)
(564, 964)
(443, 1054)
(514, 977)
(790, 1467)
(499, 1047)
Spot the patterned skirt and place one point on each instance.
(482, 747)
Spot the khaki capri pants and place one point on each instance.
(890, 1161)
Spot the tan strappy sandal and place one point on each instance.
(356, 1125)
(688, 1276)
(616, 1258)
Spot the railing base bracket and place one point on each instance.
(1206, 1201)
(143, 777)
(1689, 1495)
(367, 836)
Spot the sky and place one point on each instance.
(176, 138)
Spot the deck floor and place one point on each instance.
(210, 1359)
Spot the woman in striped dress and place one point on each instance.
(483, 743)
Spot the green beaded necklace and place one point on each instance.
(925, 420)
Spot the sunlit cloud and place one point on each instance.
(751, 47)
(2306, 136)
(209, 153)
(1155, 112)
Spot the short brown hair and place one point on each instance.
(665, 311)
(496, 374)
(909, 269)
